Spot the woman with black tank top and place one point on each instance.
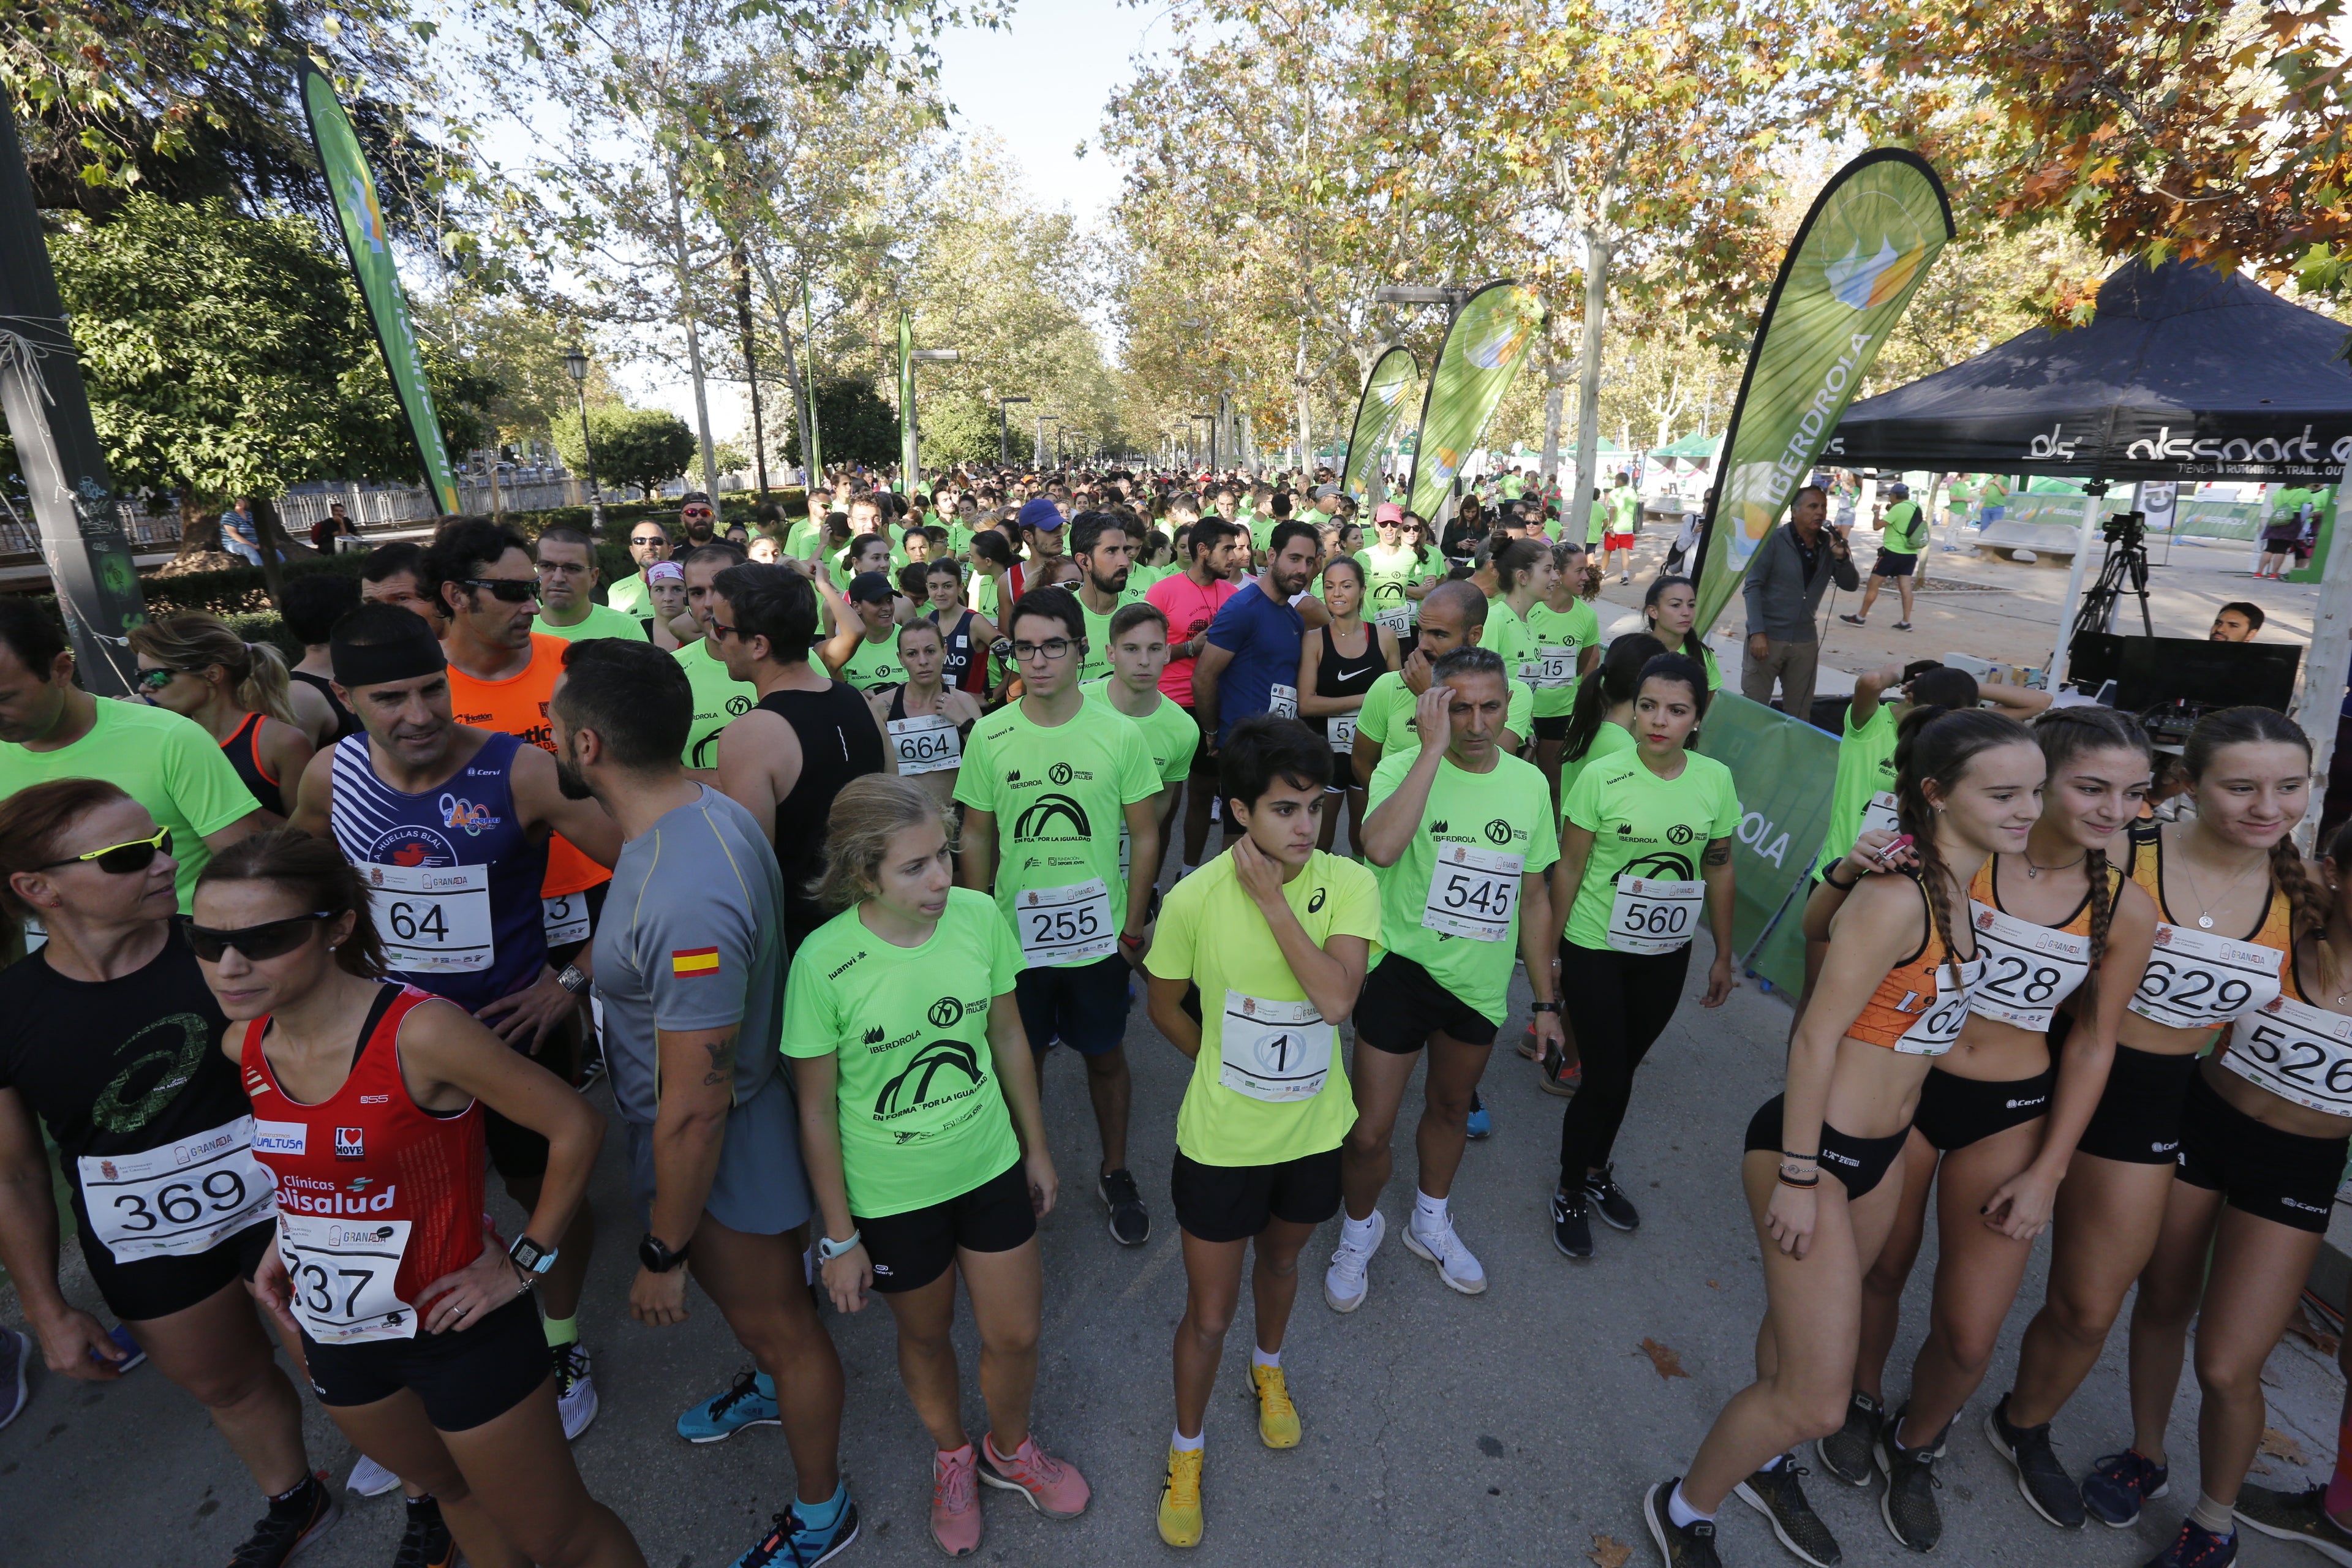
(1335, 670)
(965, 634)
(928, 720)
(198, 668)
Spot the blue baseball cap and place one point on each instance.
(1040, 513)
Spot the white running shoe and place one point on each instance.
(1456, 1264)
(1343, 1282)
(370, 1479)
(575, 1389)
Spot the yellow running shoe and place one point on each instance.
(1277, 1417)
(1180, 1500)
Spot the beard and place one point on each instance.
(570, 781)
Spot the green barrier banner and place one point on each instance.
(364, 235)
(908, 455)
(808, 340)
(1783, 770)
(1863, 251)
(1483, 352)
(1387, 398)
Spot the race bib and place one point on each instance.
(2197, 979)
(928, 744)
(1283, 701)
(2296, 1051)
(1554, 667)
(1473, 892)
(1343, 733)
(1275, 1051)
(1398, 618)
(1065, 925)
(564, 917)
(1939, 1024)
(343, 1270)
(2029, 968)
(1654, 917)
(432, 919)
(1880, 814)
(178, 1199)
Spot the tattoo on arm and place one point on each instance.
(1718, 853)
(722, 1061)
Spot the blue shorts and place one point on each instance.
(758, 1188)
(1083, 1005)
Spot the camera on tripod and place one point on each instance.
(2128, 529)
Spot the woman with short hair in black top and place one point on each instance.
(109, 1036)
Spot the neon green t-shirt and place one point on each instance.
(1096, 666)
(801, 538)
(718, 701)
(1607, 742)
(1512, 641)
(1596, 524)
(629, 596)
(602, 621)
(168, 763)
(923, 1118)
(1386, 717)
(875, 664)
(1512, 487)
(1906, 528)
(1865, 768)
(1387, 574)
(1644, 825)
(1470, 817)
(1056, 795)
(1285, 1096)
(1561, 637)
(1626, 507)
(1171, 733)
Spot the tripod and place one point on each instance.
(2123, 570)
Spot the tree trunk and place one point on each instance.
(1576, 505)
(273, 543)
(200, 531)
(1554, 396)
(803, 393)
(750, 365)
(682, 264)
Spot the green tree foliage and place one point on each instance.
(854, 424)
(637, 448)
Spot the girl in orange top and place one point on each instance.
(1892, 996)
(195, 666)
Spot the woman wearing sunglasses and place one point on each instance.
(109, 1036)
(198, 668)
(368, 1100)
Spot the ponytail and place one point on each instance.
(1617, 678)
(195, 641)
(1940, 744)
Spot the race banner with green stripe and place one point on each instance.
(1783, 770)
(1483, 350)
(1387, 399)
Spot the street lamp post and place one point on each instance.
(912, 456)
(1037, 453)
(575, 364)
(1004, 431)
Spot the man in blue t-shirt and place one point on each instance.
(1251, 665)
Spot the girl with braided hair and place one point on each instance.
(1892, 995)
(1999, 1115)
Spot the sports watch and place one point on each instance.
(658, 1258)
(531, 1257)
(827, 1249)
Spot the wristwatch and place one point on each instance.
(531, 1257)
(658, 1258)
(1543, 1006)
(827, 1249)
(572, 980)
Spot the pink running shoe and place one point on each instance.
(955, 1501)
(1054, 1488)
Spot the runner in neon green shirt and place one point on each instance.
(1452, 616)
(863, 648)
(1399, 573)
(1522, 574)
(1104, 552)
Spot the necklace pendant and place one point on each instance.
(2032, 871)
(2205, 920)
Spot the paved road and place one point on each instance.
(1512, 1428)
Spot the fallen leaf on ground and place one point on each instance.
(2278, 1442)
(1713, 1286)
(1668, 1363)
(1608, 1552)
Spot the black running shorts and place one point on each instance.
(1233, 1203)
(464, 1377)
(1402, 1005)
(150, 1288)
(2280, 1176)
(909, 1250)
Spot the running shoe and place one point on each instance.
(134, 1358)
(1779, 1496)
(424, 1541)
(955, 1501)
(1908, 1503)
(2296, 1516)
(750, 1401)
(2041, 1481)
(789, 1543)
(1557, 1074)
(1845, 1453)
(1481, 1125)
(1688, 1545)
(2118, 1484)
(1853, 620)
(1344, 1283)
(1527, 1046)
(1457, 1266)
(370, 1479)
(1616, 1210)
(2197, 1547)
(1054, 1488)
(289, 1527)
(1130, 1224)
(1180, 1499)
(1277, 1417)
(575, 1389)
(1903, 626)
(16, 1353)
(1571, 1223)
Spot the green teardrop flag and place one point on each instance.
(1862, 253)
(353, 189)
(1386, 404)
(1483, 352)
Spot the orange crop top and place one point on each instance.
(2199, 978)
(1918, 1009)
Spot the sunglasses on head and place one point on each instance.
(120, 859)
(509, 590)
(270, 939)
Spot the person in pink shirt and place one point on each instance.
(1190, 599)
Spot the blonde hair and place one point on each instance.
(195, 641)
(866, 812)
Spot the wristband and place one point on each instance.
(827, 1249)
(1827, 876)
(1543, 1006)
(1789, 1181)
(1792, 1154)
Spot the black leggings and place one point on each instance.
(1617, 1004)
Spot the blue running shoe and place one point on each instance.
(2119, 1483)
(749, 1402)
(1481, 1121)
(2197, 1547)
(16, 1353)
(792, 1544)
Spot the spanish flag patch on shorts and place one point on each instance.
(692, 961)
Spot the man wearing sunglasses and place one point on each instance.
(648, 543)
(52, 729)
(697, 518)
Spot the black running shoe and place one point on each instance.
(288, 1527)
(2041, 1481)
(1616, 1209)
(1908, 1503)
(1688, 1545)
(1571, 1223)
(1845, 1453)
(425, 1543)
(2295, 1516)
(1779, 1496)
(1130, 1224)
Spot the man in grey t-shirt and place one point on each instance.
(690, 963)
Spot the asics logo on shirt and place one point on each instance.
(1315, 900)
(118, 1108)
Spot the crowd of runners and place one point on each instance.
(810, 844)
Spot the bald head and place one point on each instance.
(1458, 601)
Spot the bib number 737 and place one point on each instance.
(344, 1271)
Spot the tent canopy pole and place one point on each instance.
(2094, 495)
(2320, 701)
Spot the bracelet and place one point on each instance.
(1831, 880)
(1789, 1181)
(1792, 1154)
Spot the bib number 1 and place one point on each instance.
(1278, 1052)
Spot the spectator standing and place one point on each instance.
(1792, 569)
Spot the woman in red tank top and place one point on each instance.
(367, 1105)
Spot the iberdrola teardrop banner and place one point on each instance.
(1380, 413)
(1483, 352)
(352, 188)
(1859, 256)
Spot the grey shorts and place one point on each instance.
(760, 1188)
